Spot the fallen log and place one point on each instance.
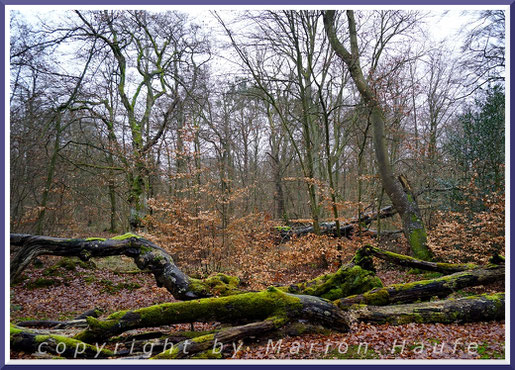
(268, 304)
(329, 228)
(30, 342)
(469, 309)
(425, 289)
(407, 261)
(81, 323)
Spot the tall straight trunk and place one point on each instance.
(112, 202)
(50, 176)
(180, 161)
(398, 189)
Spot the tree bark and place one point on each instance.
(271, 304)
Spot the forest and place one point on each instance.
(257, 184)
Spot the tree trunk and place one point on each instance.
(407, 261)
(398, 190)
(50, 175)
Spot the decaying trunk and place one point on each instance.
(334, 301)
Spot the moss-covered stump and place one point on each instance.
(407, 261)
(425, 289)
(470, 309)
(27, 341)
(348, 280)
(240, 308)
(146, 255)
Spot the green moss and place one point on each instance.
(219, 285)
(417, 241)
(283, 228)
(125, 236)
(93, 239)
(69, 264)
(432, 275)
(464, 266)
(110, 287)
(363, 259)
(207, 355)
(379, 297)
(42, 283)
(346, 281)
(193, 334)
(169, 354)
(14, 329)
(203, 338)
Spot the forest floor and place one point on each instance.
(54, 290)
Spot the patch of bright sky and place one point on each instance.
(442, 26)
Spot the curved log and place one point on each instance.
(145, 254)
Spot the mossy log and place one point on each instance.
(470, 309)
(407, 261)
(425, 289)
(31, 342)
(239, 308)
(145, 254)
(329, 228)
